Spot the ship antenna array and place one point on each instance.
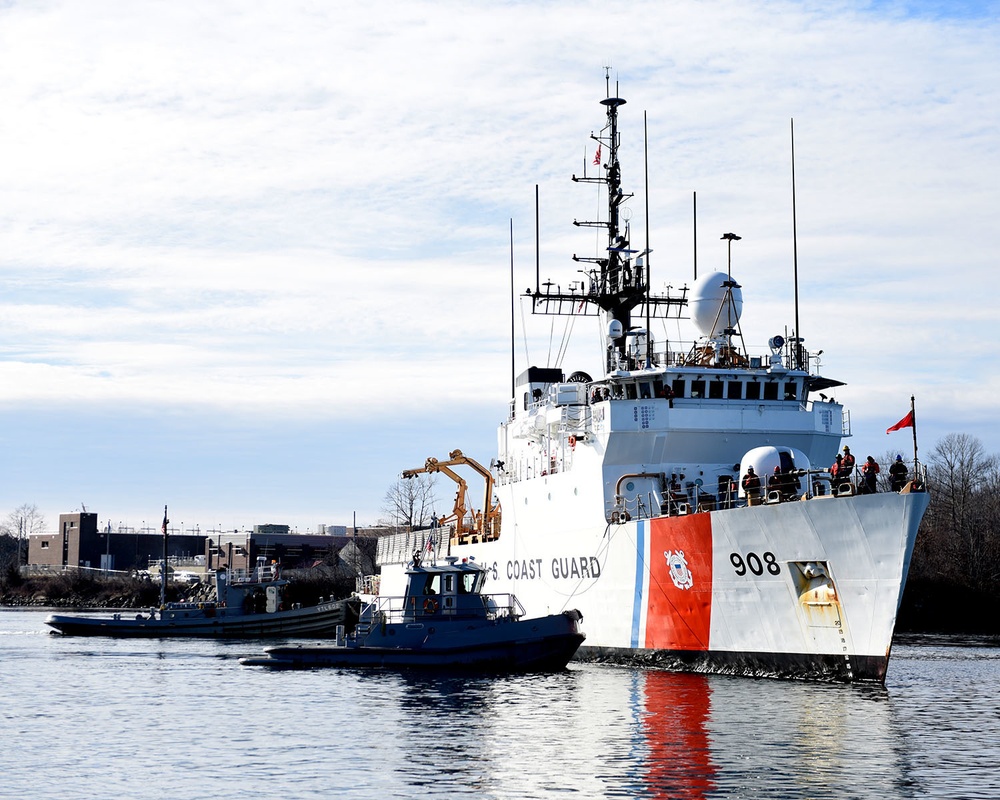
(615, 286)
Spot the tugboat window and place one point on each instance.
(753, 391)
(715, 390)
(697, 388)
(790, 391)
(679, 386)
(770, 391)
(735, 390)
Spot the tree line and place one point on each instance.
(956, 559)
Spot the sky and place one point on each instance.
(255, 258)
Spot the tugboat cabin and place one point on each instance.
(449, 590)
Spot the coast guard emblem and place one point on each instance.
(679, 572)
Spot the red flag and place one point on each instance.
(165, 521)
(905, 422)
(597, 155)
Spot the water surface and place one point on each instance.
(105, 718)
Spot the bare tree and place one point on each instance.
(22, 522)
(409, 502)
(963, 522)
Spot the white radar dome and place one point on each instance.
(711, 308)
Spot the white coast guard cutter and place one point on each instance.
(620, 496)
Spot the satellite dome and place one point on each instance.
(709, 307)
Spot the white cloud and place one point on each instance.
(262, 208)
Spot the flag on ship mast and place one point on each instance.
(905, 422)
(909, 421)
(597, 155)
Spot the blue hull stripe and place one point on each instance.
(640, 555)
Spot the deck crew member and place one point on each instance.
(837, 472)
(870, 470)
(897, 474)
(776, 483)
(751, 487)
(848, 463)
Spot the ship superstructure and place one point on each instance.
(622, 495)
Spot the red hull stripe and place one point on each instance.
(679, 604)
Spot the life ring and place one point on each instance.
(430, 605)
(572, 441)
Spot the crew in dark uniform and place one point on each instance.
(897, 474)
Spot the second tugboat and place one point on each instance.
(244, 609)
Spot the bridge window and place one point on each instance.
(735, 390)
(679, 387)
(770, 390)
(753, 391)
(697, 388)
(715, 390)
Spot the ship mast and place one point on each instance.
(616, 285)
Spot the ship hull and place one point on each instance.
(806, 589)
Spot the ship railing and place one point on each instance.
(384, 609)
(812, 483)
(681, 353)
(502, 605)
(642, 506)
(399, 546)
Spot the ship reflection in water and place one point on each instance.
(705, 735)
(612, 732)
(675, 720)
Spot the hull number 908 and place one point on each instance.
(755, 563)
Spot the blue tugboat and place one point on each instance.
(443, 621)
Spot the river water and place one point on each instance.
(104, 718)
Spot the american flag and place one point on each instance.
(597, 155)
